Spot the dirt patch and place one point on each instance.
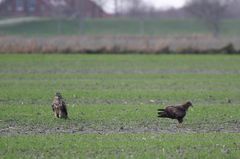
(226, 127)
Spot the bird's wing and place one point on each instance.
(64, 107)
(55, 104)
(172, 111)
(52, 106)
(177, 111)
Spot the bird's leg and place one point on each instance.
(180, 125)
(56, 114)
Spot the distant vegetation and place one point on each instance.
(116, 36)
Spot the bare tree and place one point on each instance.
(58, 11)
(116, 7)
(136, 10)
(135, 7)
(234, 9)
(101, 3)
(139, 8)
(77, 10)
(119, 6)
(210, 12)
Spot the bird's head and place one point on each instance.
(58, 95)
(189, 104)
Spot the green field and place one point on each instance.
(173, 27)
(112, 102)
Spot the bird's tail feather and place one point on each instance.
(162, 114)
(161, 109)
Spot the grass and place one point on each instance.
(112, 102)
(122, 146)
(115, 27)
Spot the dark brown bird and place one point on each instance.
(175, 111)
(59, 107)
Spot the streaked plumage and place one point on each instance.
(59, 107)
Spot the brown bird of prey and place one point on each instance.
(59, 107)
(175, 111)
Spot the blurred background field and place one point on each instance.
(110, 26)
(119, 26)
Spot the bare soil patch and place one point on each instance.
(224, 127)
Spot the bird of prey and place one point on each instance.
(175, 111)
(59, 107)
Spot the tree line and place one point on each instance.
(210, 12)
